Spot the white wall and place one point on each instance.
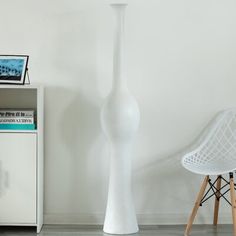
(181, 58)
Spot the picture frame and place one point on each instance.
(13, 69)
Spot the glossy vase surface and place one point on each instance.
(120, 120)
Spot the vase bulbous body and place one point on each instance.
(120, 116)
(120, 120)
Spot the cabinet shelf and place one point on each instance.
(18, 131)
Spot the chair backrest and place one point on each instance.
(220, 142)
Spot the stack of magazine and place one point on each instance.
(17, 119)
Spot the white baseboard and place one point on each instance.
(143, 219)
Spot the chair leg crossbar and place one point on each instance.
(217, 190)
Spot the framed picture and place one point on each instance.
(13, 69)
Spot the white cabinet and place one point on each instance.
(21, 161)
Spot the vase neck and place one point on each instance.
(119, 73)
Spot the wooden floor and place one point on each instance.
(52, 230)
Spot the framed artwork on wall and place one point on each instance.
(13, 69)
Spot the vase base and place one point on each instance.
(119, 232)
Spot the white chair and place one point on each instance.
(215, 155)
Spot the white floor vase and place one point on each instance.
(120, 120)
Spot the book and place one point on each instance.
(16, 120)
(17, 126)
(16, 113)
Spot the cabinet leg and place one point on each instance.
(39, 228)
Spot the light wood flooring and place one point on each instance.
(53, 230)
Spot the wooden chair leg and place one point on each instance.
(196, 206)
(233, 201)
(217, 200)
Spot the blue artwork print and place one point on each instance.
(11, 69)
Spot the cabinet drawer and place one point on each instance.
(18, 160)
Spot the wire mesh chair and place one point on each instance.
(216, 155)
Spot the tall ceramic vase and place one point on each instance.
(120, 120)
